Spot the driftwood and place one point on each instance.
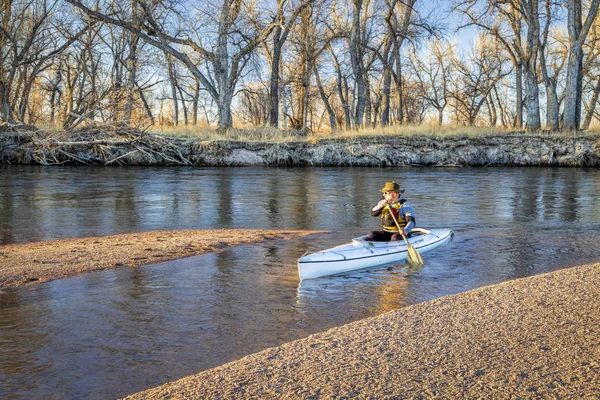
(90, 145)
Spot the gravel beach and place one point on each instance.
(23, 264)
(536, 337)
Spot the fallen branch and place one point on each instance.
(74, 157)
(121, 156)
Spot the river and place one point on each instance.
(107, 334)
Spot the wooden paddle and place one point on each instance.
(414, 257)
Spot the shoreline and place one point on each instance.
(36, 262)
(114, 147)
(530, 337)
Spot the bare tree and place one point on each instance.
(254, 104)
(311, 38)
(592, 73)
(550, 81)
(432, 76)
(287, 14)
(83, 90)
(342, 87)
(227, 53)
(578, 31)
(31, 35)
(473, 81)
(357, 53)
(398, 22)
(325, 96)
(503, 19)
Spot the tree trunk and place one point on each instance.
(534, 122)
(387, 83)
(173, 83)
(518, 123)
(573, 86)
(306, 97)
(131, 63)
(274, 81)
(195, 103)
(343, 94)
(131, 79)
(399, 99)
(492, 110)
(552, 105)
(146, 105)
(552, 109)
(356, 59)
(592, 108)
(325, 100)
(499, 103)
(224, 106)
(572, 111)
(25, 92)
(532, 101)
(183, 107)
(6, 112)
(368, 103)
(297, 121)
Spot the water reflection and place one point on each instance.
(69, 202)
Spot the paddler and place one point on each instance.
(403, 213)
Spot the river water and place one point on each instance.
(108, 334)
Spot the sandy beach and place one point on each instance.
(536, 337)
(24, 264)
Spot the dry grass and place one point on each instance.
(252, 134)
(432, 130)
(272, 135)
(268, 134)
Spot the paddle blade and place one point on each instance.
(414, 257)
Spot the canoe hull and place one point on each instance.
(361, 253)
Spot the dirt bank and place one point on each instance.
(536, 337)
(23, 264)
(126, 146)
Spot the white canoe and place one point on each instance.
(362, 253)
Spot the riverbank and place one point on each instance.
(111, 146)
(535, 337)
(24, 264)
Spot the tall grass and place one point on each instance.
(273, 135)
(268, 134)
(206, 133)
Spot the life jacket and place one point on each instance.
(386, 219)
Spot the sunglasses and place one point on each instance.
(386, 193)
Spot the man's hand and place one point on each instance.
(379, 206)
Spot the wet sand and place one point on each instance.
(535, 337)
(24, 264)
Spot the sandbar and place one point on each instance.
(36, 262)
(536, 337)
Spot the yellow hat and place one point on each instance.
(392, 187)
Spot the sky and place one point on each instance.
(442, 10)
